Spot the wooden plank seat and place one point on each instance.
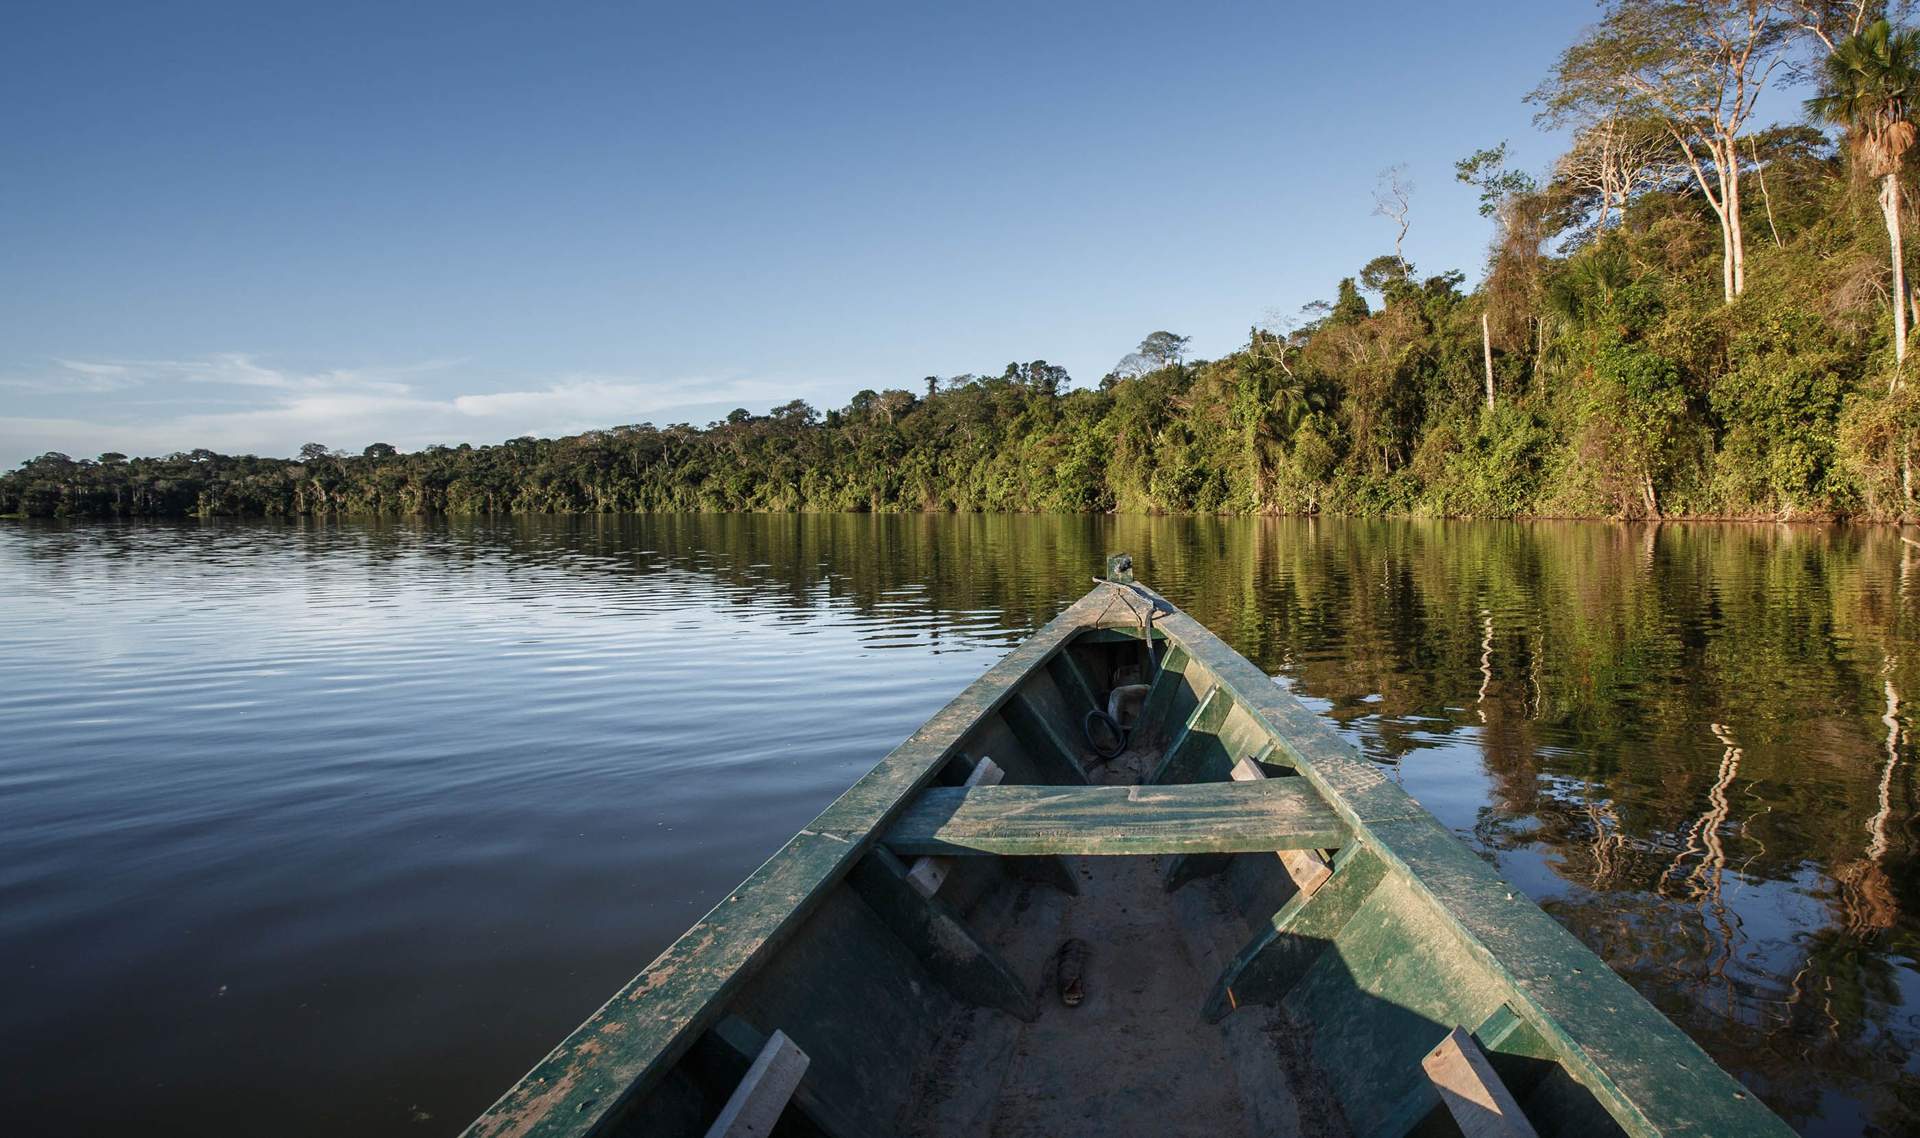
(757, 1103)
(1308, 868)
(1480, 1103)
(929, 873)
(1214, 817)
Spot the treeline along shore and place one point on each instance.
(1691, 313)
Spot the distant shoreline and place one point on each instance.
(340, 516)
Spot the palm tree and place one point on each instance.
(1869, 85)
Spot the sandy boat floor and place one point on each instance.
(1135, 1057)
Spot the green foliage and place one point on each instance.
(1495, 472)
(1349, 307)
(1625, 386)
(1779, 402)
(1868, 84)
(1387, 277)
(1487, 171)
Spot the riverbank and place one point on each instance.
(1793, 519)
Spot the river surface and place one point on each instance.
(310, 828)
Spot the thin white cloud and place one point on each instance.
(85, 368)
(589, 401)
(272, 411)
(222, 369)
(73, 377)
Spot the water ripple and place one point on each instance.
(329, 823)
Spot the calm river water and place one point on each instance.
(311, 828)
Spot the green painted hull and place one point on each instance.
(1222, 998)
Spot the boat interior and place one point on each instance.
(1117, 909)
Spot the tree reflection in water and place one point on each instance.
(1690, 743)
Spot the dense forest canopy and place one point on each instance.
(1692, 313)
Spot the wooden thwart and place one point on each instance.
(1073, 682)
(726, 1051)
(1420, 1107)
(928, 873)
(762, 1095)
(1185, 760)
(1218, 817)
(937, 935)
(1129, 635)
(1040, 736)
(1164, 683)
(1308, 868)
(1279, 954)
(1474, 1095)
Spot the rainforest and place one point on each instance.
(1691, 314)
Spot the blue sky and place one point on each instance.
(248, 226)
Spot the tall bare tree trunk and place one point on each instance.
(1721, 189)
(1727, 256)
(1486, 351)
(1735, 227)
(1726, 207)
(1890, 206)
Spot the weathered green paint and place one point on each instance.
(1596, 1057)
(852, 1031)
(1127, 635)
(1197, 748)
(1517, 1051)
(1514, 1047)
(1073, 683)
(1397, 983)
(734, 1043)
(1277, 759)
(1044, 870)
(940, 938)
(632, 1041)
(1554, 1102)
(1647, 1075)
(1190, 867)
(1038, 734)
(1165, 683)
(1225, 817)
(1420, 1111)
(1278, 955)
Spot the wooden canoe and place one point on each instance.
(1273, 939)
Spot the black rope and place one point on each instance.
(1119, 733)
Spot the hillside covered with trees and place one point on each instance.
(1692, 313)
